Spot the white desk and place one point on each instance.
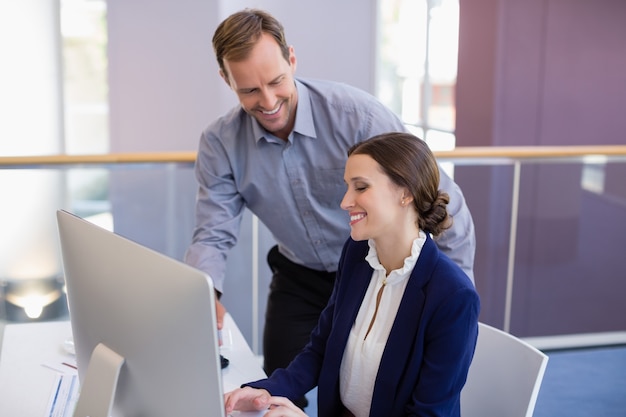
(26, 384)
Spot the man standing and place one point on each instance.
(281, 153)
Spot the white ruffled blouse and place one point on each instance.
(365, 346)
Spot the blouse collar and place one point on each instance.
(397, 275)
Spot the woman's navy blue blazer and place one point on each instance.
(425, 362)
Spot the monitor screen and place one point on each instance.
(143, 325)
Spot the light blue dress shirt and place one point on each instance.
(295, 187)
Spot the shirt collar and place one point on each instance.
(304, 112)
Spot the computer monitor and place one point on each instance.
(144, 327)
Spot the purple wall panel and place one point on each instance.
(584, 93)
(475, 88)
(543, 73)
(519, 74)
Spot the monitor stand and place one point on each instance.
(97, 391)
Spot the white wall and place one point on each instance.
(165, 88)
(160, 89)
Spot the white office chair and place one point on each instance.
(504, 377)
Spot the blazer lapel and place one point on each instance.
(351, 290)
(401, 343)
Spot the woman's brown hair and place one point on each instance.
(408, 162)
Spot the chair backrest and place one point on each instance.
(504, 377)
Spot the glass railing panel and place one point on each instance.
(568, 246)
(549, 237)
(489, 195)
(29, 267)
(150, 203)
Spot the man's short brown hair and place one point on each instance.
(235, 37)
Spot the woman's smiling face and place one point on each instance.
(373, 201)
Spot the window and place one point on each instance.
(85, 93)
(85, 87)
(418, 64)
